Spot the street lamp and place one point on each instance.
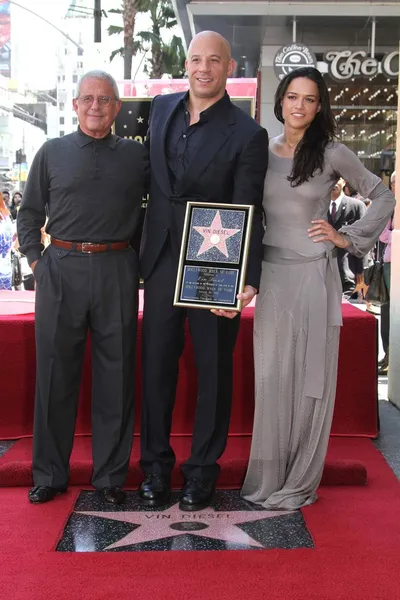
(97, 21)
(97, 13)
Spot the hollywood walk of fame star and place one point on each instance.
(206, 523)
(215, 236)
(140, 119)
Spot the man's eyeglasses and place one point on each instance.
(102, 100)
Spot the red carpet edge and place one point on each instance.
(343, 465)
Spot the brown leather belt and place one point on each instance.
(89, 247)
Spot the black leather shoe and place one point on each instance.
(384, 363)
(43, 493)
(197, 494)
(383, 370)
(155, 490)
(113, 495)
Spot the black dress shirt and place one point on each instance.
(184, 140)
(91, 188)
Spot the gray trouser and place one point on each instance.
(77, 293)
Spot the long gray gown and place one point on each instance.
(296, 327)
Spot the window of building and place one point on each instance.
(79, 65)
(62, 133)
(74, 78)
(74, 120)
(80, 52)
(61, 106)
(62, 121)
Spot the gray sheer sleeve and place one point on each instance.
(363, 233)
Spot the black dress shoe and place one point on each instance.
(113, 495)
(384, 362)
(155, 490)
(43, 493)
(383, 370)
(197, 494)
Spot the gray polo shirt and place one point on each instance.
(90, 188)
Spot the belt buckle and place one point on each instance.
(86, 247)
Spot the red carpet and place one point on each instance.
(356, 531)
(342, 467)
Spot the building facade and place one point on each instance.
(355, 43)
(23, 128)
(78, 24)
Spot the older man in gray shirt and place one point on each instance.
(90, 184)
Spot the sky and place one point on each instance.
(34, 42)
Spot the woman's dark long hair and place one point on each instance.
(14, 206)
(309, 155)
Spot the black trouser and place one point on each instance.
(214, 339)
(385, 311)
(348, 284)
(77, 293)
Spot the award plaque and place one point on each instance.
(213, 257)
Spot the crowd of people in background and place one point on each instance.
(15, 273)
(348, 206)
(7, 239)
(386, 240)
(12, 202)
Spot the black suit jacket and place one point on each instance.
(230, 168)
(350, 210)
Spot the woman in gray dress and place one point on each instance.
(298, 311)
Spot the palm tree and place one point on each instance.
(165, 58)
(173, 58)
(129, 10)
(162, 17)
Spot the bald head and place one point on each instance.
(206, 37)
(208, 65)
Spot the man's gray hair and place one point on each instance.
(98, 75)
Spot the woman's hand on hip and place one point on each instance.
(321, 231)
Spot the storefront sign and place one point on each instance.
(346, 64)
(293, 57)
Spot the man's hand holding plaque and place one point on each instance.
(245, 297)
(213, 258)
